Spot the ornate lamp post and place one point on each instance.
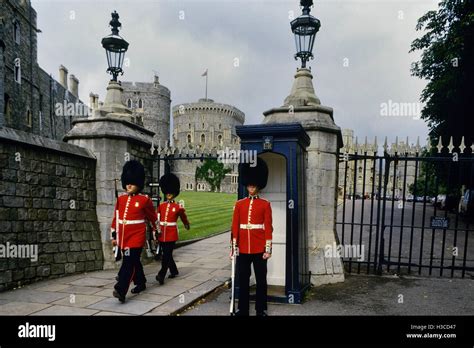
(305, 28)
(115, 48)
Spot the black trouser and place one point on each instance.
(260, 269)
(167, 262)
(131, 269)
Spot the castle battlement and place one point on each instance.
(209, 106)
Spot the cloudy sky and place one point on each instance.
(361, 53)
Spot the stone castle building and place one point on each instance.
(395, 185)
(150, 103)
(29, 96)
(205, 125)
(346, 175)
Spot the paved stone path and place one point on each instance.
(203, 267)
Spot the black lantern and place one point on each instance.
(115, 48)
(305, 28)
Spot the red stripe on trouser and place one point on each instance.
(133, 274)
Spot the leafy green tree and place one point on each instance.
(447, 62)
(213, 172)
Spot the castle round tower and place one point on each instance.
(150, 103)
(205, 124)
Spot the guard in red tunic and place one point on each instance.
(168, 213)
(252, 237)
(128, 230)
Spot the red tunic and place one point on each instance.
(133, 211)
(168, 213)
(258, 213)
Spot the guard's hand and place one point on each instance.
(153, 233)
(266, 256)
(187, 227)
(114, 242)
(233, 252)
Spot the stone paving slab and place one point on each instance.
(92, 282)
(21, 308)
(109, 314)
(65, 310)
(168, 290)
(104, 293)
(129, 307)
(203, 267)
(34, 296)
(79, 300)
(144, 296)
(82, 290)
(54, 287)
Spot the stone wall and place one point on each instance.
(48, 199)
(30, 104)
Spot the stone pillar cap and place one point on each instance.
(302, 93)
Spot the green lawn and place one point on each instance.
(208, 213)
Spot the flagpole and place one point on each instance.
(206, 83)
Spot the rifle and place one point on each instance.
(157, 250)
(116, 249)
(234, 260)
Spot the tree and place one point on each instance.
(213, 172)
(447, 57)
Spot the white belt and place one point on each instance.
(162, 223)
(131, 222)
(251, 226)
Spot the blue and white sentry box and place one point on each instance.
(283, 147)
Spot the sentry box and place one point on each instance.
(283, 147)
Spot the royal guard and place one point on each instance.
(252, 237)
(168, 213)
(128, 231)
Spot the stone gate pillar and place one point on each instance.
(303, 106)
(114, 137)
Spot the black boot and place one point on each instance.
(173, 275)
(138, 289)
(117, 294)
(160, 279)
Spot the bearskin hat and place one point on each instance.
(133, 173)
(169, 183)
(257, 175)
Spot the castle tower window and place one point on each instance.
(16, 33)
(140, 103)
(219, 139)
(189, 125)
(129, 103)
(7, 108)
(17, 70)
(203, 138)
(189, 138)
(203, 126)
(29, 120)
(220, 126)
